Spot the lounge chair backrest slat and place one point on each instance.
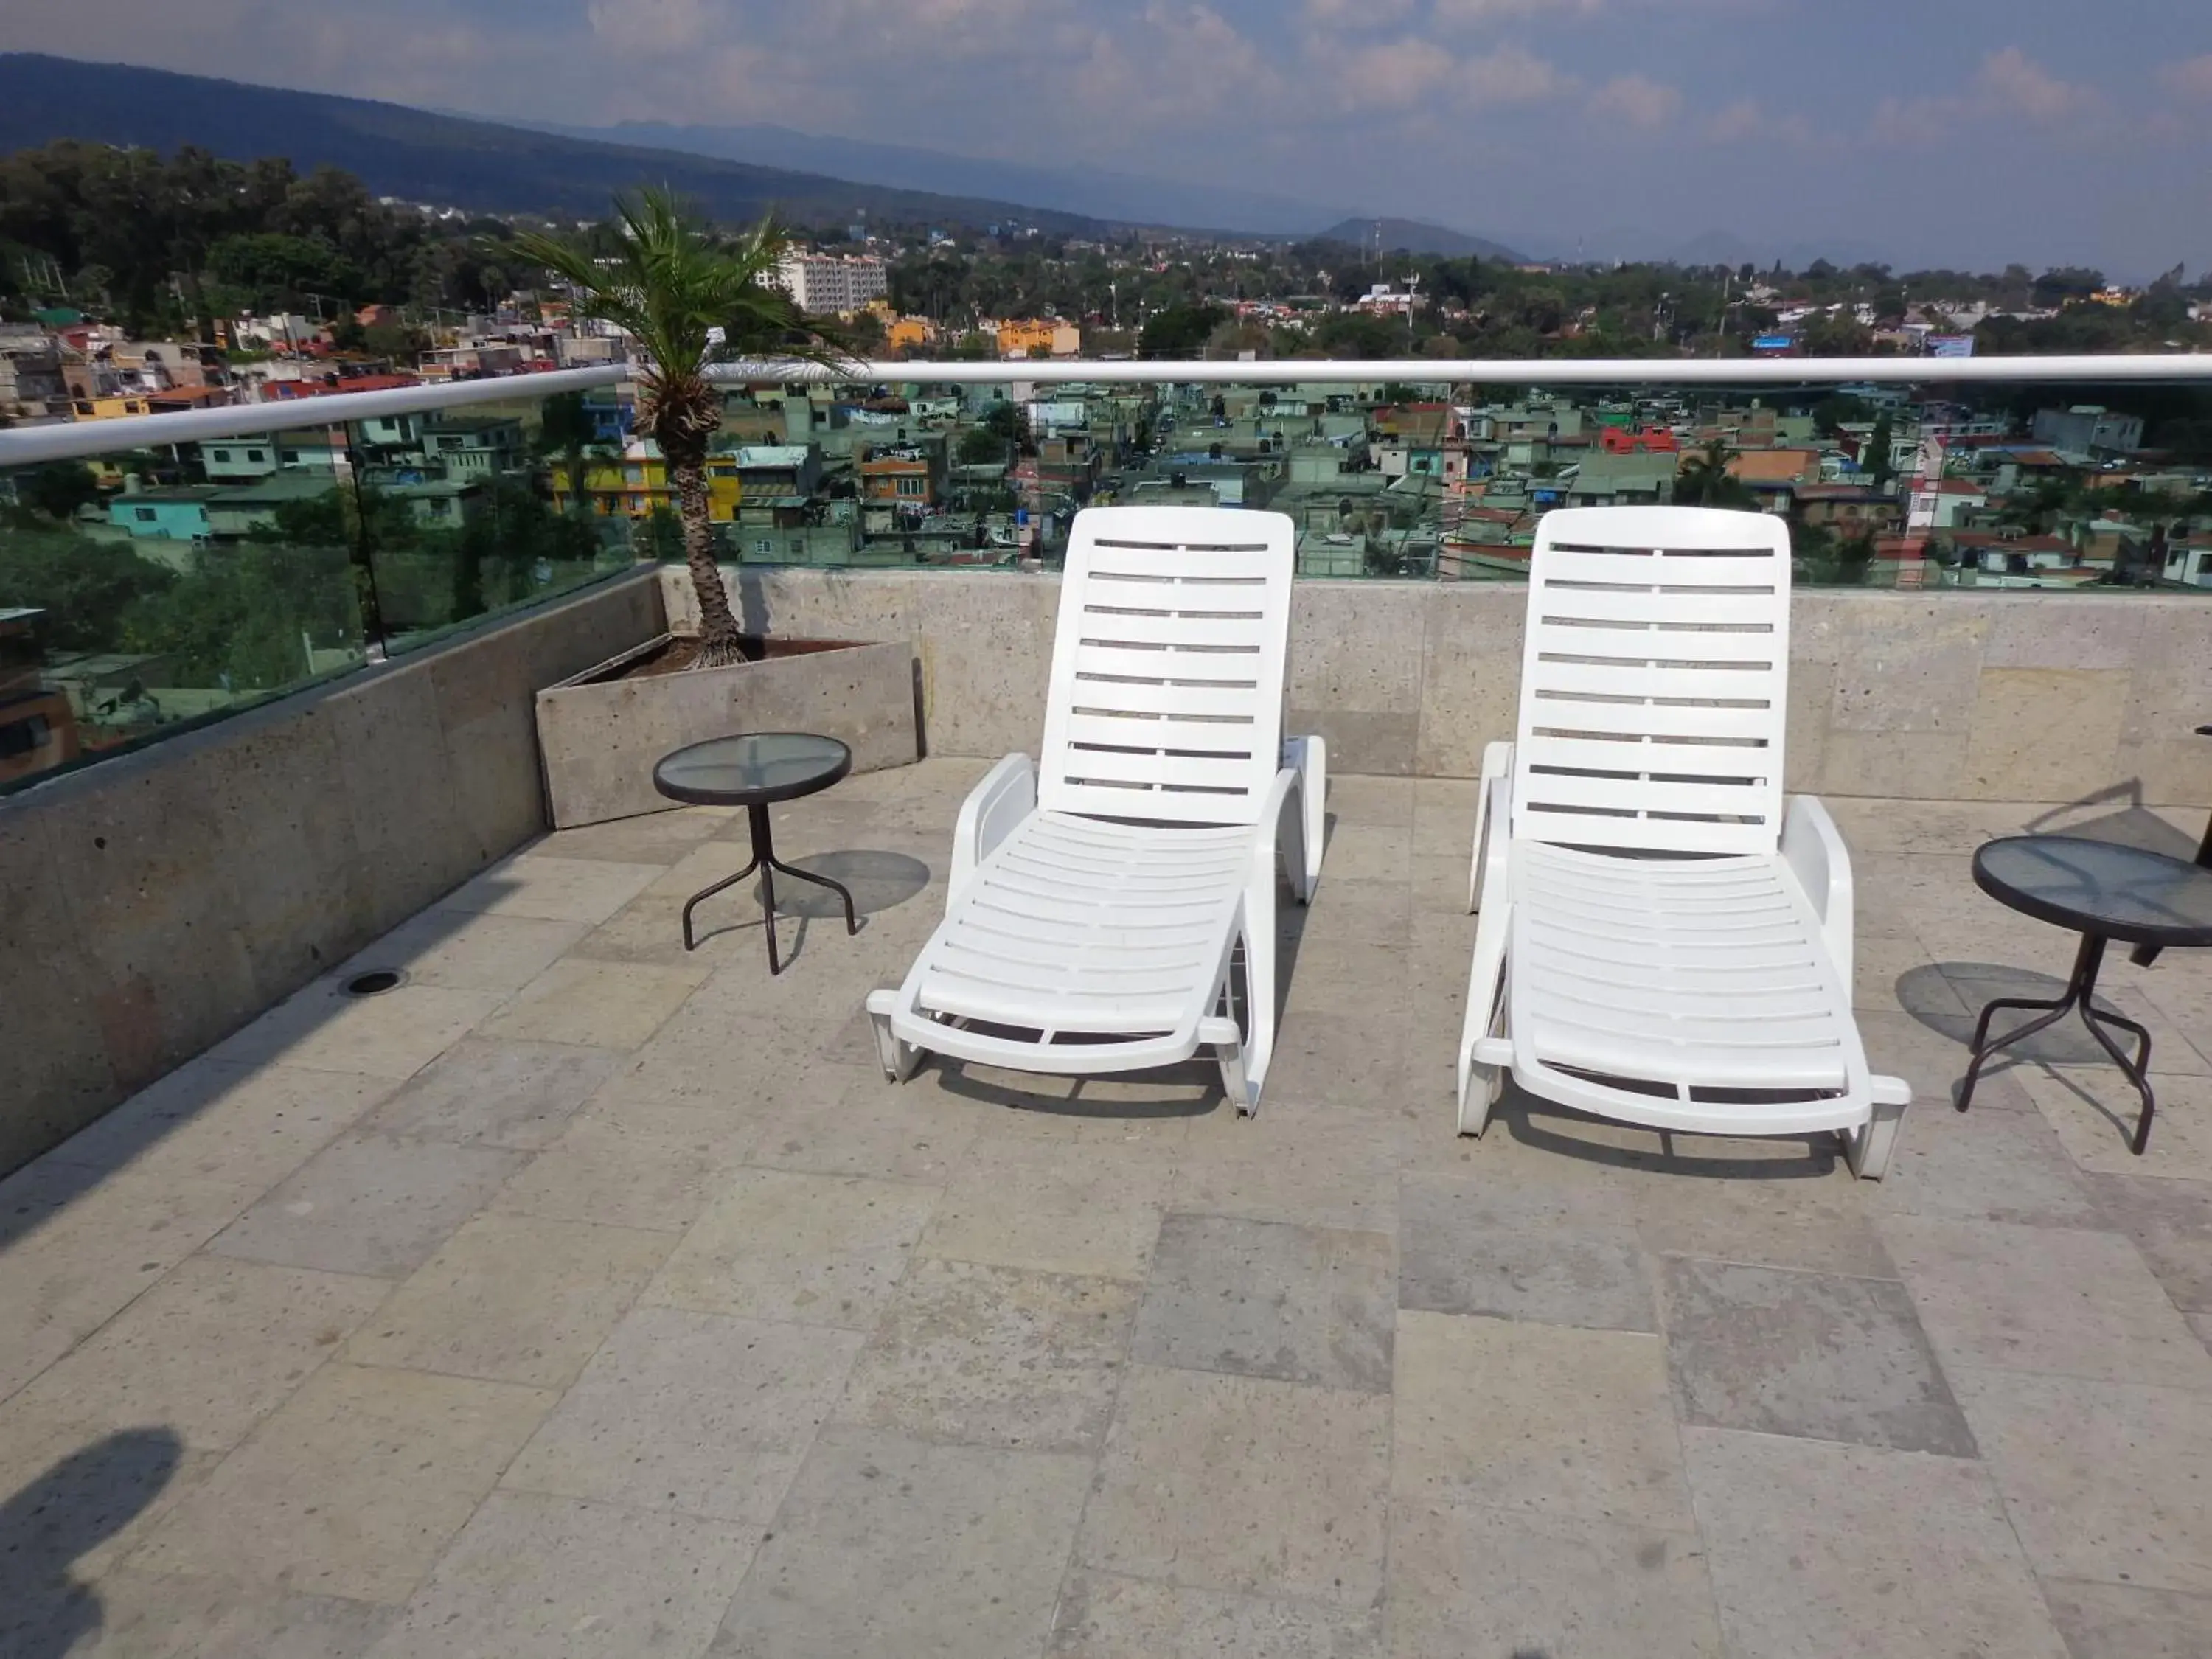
(1654, 681)
(1166, 700)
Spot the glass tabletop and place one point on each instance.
(2099, 887)
(752, 766)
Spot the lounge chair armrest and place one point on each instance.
(1006, 795)
(1308, 758)
(1814, 851)
(1493, 806)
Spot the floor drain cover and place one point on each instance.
(375, 982)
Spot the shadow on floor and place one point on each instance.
(877, 881)
(60, 1517)
(2129, 823)
(1548, 1127)
(1931, 993)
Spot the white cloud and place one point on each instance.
(1332, 15)
(1510, 75)
(2191, 77)
(1745, 119)
(2010, 81)
(646, 27)
(1398, 72)
(1463, 14)
(1637, 99)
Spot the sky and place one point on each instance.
(1923, 132)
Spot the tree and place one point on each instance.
(58, 489)
(1878, 445)
(1703, 480)
(1179, 330)
(668, 284)
(981, 447)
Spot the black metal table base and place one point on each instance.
(765, 861)
(2081, 992)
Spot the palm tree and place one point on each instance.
(1703, 480)
(687, 298)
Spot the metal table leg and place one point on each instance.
(765, 861)
(2081, 992)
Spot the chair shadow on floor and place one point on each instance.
(1546, 1126)
(878, 880)
(2129, 823)
(52, 1524)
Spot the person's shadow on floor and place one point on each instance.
(59, 1517)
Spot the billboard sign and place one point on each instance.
(1950, 345)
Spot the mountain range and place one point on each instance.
(734, 173)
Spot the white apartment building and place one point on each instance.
(826, 283)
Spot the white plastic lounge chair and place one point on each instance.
(1102, 904)
(1662, 942)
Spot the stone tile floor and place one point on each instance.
(582, 1296)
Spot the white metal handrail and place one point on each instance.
(25, 446)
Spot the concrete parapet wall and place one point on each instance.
(155, 902)
(1999, 696)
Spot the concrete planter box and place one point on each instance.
(598, 735)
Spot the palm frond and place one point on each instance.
(669, 283)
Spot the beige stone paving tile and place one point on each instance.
(513, 1299)
(819, 1250)
(463, 951)
(727, 1055)
(1815, 1355)
(1820, 1224)
(235, 1124)
(144, 1616)
(1291, 1163)
(394, 1035)
(1569, 1422)
(890, 1548)
(606, 1005)
(2110, 1481)
(1053, 1208)
(539, 1577)
(369, 1203)
(1997, 1162)
(2119, 1621)
(994, 1356)
(1243, 1484)
(1822, 1549)
(651, 930)
(90, 1252)
(2043, 1299)
(209, 1351)
(353, 1488)
(1899, 973)
(1365, 851)
(80, 1495)
(690, 1411)
(497, 1093)
(1370, 800)
(1103, 1615)
(634, 1161)
(2095, 1108)
(868, 1127)
(1465, 1579)
(553, 888)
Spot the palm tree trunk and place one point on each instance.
(720, 643)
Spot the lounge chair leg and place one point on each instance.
(1231, 1057)
(1868, 1150)
(898, 1058)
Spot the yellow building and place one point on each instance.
(112, 408)
(1039, 337)
(632, 486)
(909, 334)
